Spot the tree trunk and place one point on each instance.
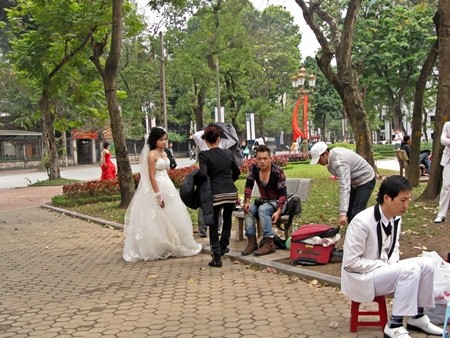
(337, 42)
(353, 105)
(397, 122)
(51, 156)
(201, 99)
(442, 21)
(425, 72)
(125, 175)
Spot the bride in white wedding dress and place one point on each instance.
(157, 223)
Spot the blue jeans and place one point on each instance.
(264, 213)
(426, 161)
(359, 197)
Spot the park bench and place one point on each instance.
(403, 159)
(296, 186)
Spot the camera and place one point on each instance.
(259, 201)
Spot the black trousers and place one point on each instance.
(226, 226)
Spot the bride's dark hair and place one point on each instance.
(155, 134)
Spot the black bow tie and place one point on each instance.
(387, 229)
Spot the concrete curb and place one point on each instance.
(233, 255)
(96, 220)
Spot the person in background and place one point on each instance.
(254, 147)
(157, 223)
(371, 264)
(294, 147)
(245, 149)
(355, 175)
(219, 165)
(423, 154)
(171, 155)
(398, 138)
(444, 198)
(271, 182)
(107, 166)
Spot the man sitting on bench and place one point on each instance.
(271, 182)
(423, 154)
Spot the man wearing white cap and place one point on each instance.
(355, 175)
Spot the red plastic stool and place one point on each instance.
(355, 313)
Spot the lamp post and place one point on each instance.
(298, 81)
(147, 108)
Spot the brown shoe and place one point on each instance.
(252, 245)
(267, 248)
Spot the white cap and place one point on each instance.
(317, 149)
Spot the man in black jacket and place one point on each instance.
(170, 155)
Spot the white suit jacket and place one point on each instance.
(361, 256)
(445, 141)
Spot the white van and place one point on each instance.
(269, 142)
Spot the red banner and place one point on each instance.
(296, 131)
(78, 135)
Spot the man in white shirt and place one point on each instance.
(444, 198)
(371, 264)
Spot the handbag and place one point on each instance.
(293, 205)
(441, 283)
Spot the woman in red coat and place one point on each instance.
(107, 166)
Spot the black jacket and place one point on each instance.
(196, 193)
(219, 165)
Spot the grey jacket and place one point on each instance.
(352, 170)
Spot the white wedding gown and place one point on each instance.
(152, 232)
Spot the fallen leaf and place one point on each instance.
(333, 325)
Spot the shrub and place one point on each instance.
(279, 160)
(298, 157)
(178, 175)
(111, 187)
(95, 188)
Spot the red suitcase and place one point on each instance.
(307, 254)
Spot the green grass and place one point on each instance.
(320, 207)
(57, 182)
(104, 209)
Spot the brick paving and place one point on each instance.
(65, 277)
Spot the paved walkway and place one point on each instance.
(65, 277)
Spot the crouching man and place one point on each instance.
(371, 264)
(271, 183)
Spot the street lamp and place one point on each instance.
(298, 81)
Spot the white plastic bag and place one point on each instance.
(441, 284)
